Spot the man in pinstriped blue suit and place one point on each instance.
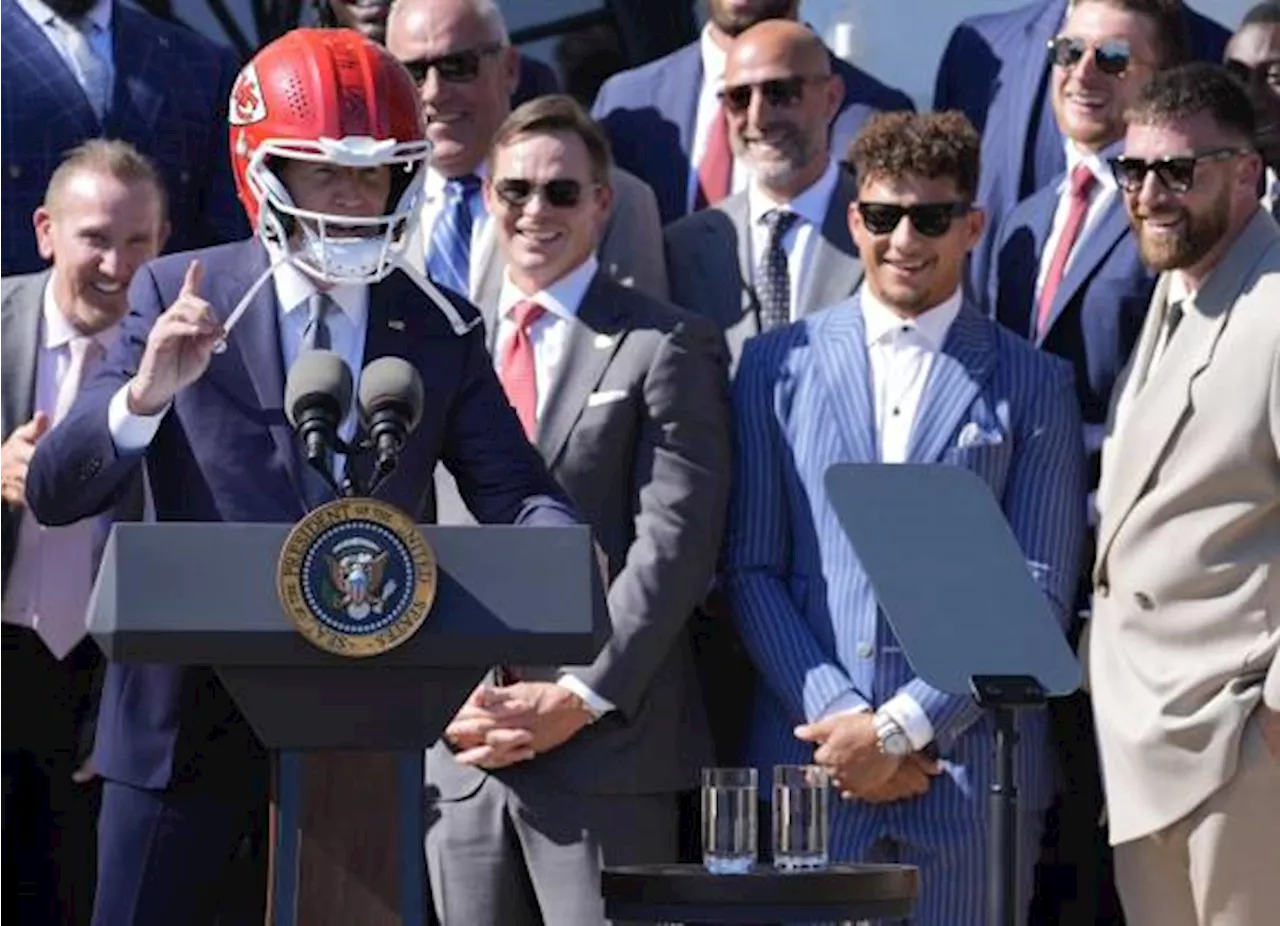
(903, 371)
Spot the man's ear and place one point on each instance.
(42, 219)
(511, 68)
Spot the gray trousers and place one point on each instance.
(503, 857)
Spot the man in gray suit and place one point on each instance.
(460, 55)
(781, 248)
(1184, 641)
(538, 783)
(102, 218)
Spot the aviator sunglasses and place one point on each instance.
(459, 67)
(781, 91)
(1110, 57)
(1177, 174)
(933, 220)
(563, 193)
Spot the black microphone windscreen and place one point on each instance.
(391, 380)
(317, 376)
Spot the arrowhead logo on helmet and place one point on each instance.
(246, 99)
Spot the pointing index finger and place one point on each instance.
(191, 282)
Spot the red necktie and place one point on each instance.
(1082, 183)
(519, 374)
(717, 163)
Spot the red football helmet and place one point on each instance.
(334, 96)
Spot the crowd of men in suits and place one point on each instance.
(750, 261)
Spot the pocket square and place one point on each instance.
(973, 435)
(606, 396)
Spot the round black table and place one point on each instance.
(691, 894)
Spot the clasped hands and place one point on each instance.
(500, 726)
(849, 750)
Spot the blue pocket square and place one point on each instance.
(974, 435)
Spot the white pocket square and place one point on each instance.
(973, 435)
(605, 397)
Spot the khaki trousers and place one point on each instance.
(1218, 865)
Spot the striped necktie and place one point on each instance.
(449, 261)
(93, 73)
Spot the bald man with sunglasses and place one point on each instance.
(461, 57)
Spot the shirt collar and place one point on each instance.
(294, 287)
(1097, 162)
(99, 14)
(58, 331)
(933, 325)
(563, 297)
(713, 58)
(810, 205)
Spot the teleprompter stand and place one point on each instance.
(956, 589)
(347, 735)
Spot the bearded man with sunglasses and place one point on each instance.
(626, 398)
(905, 371)
(1183, 648)
(461, 58)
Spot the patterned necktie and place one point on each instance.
(773, 279)
(94, 75)
(1082, 184)
(716, 168)
(316, 335)
(519, 373)
(449, 262)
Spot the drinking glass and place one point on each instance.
(729, 823)
(801, 821)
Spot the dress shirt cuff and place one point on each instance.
(129, 432)
(597, 705)
(903, 710)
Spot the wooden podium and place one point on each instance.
(347, 735)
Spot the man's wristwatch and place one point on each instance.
(893, 739)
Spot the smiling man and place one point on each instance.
(1253, 55)
(905, 371)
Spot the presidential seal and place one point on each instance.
(356, 577)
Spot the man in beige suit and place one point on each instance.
(1186, 620)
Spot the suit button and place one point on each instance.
(88, 469)
(1143, 600)
(865, 650)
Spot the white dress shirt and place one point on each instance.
(901, 352)
(800, 241)
(1105, 189)
(99, 37)
(549, 336)
(433, 203)
(713, 62)
(1272, 191)
(132, 433)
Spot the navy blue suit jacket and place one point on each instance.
(1099, 308)
(649, 113)
(226, 452)
(170, 101)
(995, 70)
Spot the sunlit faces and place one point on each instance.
(909, 271)
(1091, 95)
(357, 192)
(544, 241)
(97, 233)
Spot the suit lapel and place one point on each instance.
(1026, 93)
(592, 342)
(676, 93)
(739, 213)
(1094, 248)
(20, 342)
(137, 97)
(955, 380)
(835, 270)
(839, 343)
(488, 268)
(1018, 266)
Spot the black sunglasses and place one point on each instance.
(1177, 174)
(562, 193)
(1110, 57)
(459, 67)
(781, 91)
(1268, 72)
(933, 220)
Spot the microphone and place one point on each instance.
(317, 396)
(391, 400)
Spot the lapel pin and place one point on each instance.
(395, 324)
(603, 341)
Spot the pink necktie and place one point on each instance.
(519, 374)
(1082, 183)
(716, 168)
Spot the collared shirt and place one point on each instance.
(433, 202)
(1272, 191)
(800, 241)
(99, 36)
(1104, 191)
(550, 333)
(713, 63)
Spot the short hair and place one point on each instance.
(941, 145)
(112, 157)
(557, 113)
(1266, 13)
(1183, 92)
(1170, 20)
(486, 9)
